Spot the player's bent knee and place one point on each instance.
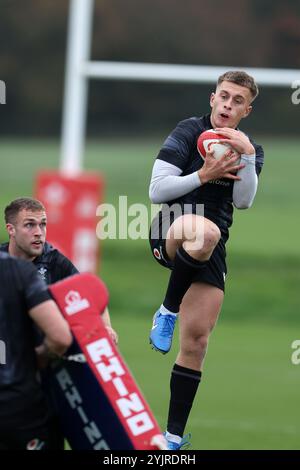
(203, 239)
(212, 236)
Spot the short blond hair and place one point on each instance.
(240, 78)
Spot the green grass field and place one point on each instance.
(249, 395)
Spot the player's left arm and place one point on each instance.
(244, 189)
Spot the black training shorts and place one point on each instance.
(215, 270)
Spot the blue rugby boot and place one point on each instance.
(162, 331)
(184, 443)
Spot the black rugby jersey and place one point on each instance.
(180, 149)
(20, 290)
(52, 265)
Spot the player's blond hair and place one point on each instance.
(240, 78)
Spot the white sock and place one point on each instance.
(173, 437)
(164, 311)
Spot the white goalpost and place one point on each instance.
(79, 69)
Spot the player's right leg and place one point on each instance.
(198, 315)
(188, 245)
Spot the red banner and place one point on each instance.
(71, 204)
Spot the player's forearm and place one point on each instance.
(167, 184)
(244, 190)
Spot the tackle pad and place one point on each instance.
(97, 398)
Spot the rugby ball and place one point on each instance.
(210, 140)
